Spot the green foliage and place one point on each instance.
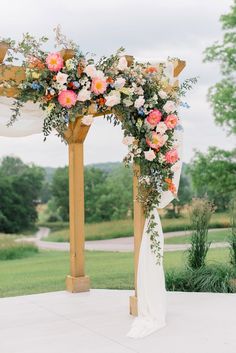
(107, 195)
(200, 215)
(222, 95)
(10, 249)
(213, 174)
(211, 278)
(20, 187)
(232, 239)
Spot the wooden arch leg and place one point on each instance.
(139, 220)
(76, 281)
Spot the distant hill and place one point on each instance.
(107, 167)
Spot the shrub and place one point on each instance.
(232, 239)
(200, 214)
(10, 249)
(214, 278)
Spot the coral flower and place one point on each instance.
(171, 156)
(157, 140)
(67, 98)
(171, 121)
(154, 117)
(54, 62)
(171, 185)
(151, 70)
(98, 85)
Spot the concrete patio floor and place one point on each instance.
(97, 322)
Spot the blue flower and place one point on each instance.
(184, 105)
(141, 112)
(35, 85)
(76, 84)
(66, 118)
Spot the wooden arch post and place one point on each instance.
(77, 281)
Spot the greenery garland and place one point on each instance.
(143, 98)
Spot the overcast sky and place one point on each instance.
(149, 30)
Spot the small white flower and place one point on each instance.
(149, 155)
(127, 102)
(128, 140)
(112, 99)
(119, 83)
(161, 157)
(91, 71)
(122, 64)
(61, 78)
(139, 102)
(139, 90)
(70, 64)
(84, 95)
(87, 120)
(161, 128)
(162, 94)
(169, 107)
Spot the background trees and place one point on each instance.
(20, 187)
(222, 95)
(214, 174)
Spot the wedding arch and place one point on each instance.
(84, 91)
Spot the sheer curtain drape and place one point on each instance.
(151, 280)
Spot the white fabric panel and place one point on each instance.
(151, 280)
(30, 122)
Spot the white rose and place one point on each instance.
(61, 78)
(163, 94)
(112, 99)
(91, 71)
(119, 83)
(161, 128)
(122, 64)
(127, 102)
(149, 155)
(169, 107)
(139, 102)
(139, 90)
(84, 95)
(70, 65)
(128, 140)
(87, 120)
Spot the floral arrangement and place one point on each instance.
(143, 98)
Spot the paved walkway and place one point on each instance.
(118, 244)
(98, 321)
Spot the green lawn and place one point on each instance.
(214, 237)
(124, 228)
(46, 271)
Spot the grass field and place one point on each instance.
(124, 228)
(214, 237)
(46, 271)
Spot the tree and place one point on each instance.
(222, 95)
(20, 187)
(214, 174)
(60, 192)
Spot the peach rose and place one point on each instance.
(99, 85)
(171, 121)
(154, 117)
(157, 140)
(171, 156)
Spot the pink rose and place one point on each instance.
(171, 121)
(157, 140)
(54, 62)
(149, 155)
(99, 85)
(67, 98)
(154, 117)
(171, 156)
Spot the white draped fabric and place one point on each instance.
(151, 280)
(30, 122)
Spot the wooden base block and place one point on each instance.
(77, 284)
(133, 305)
